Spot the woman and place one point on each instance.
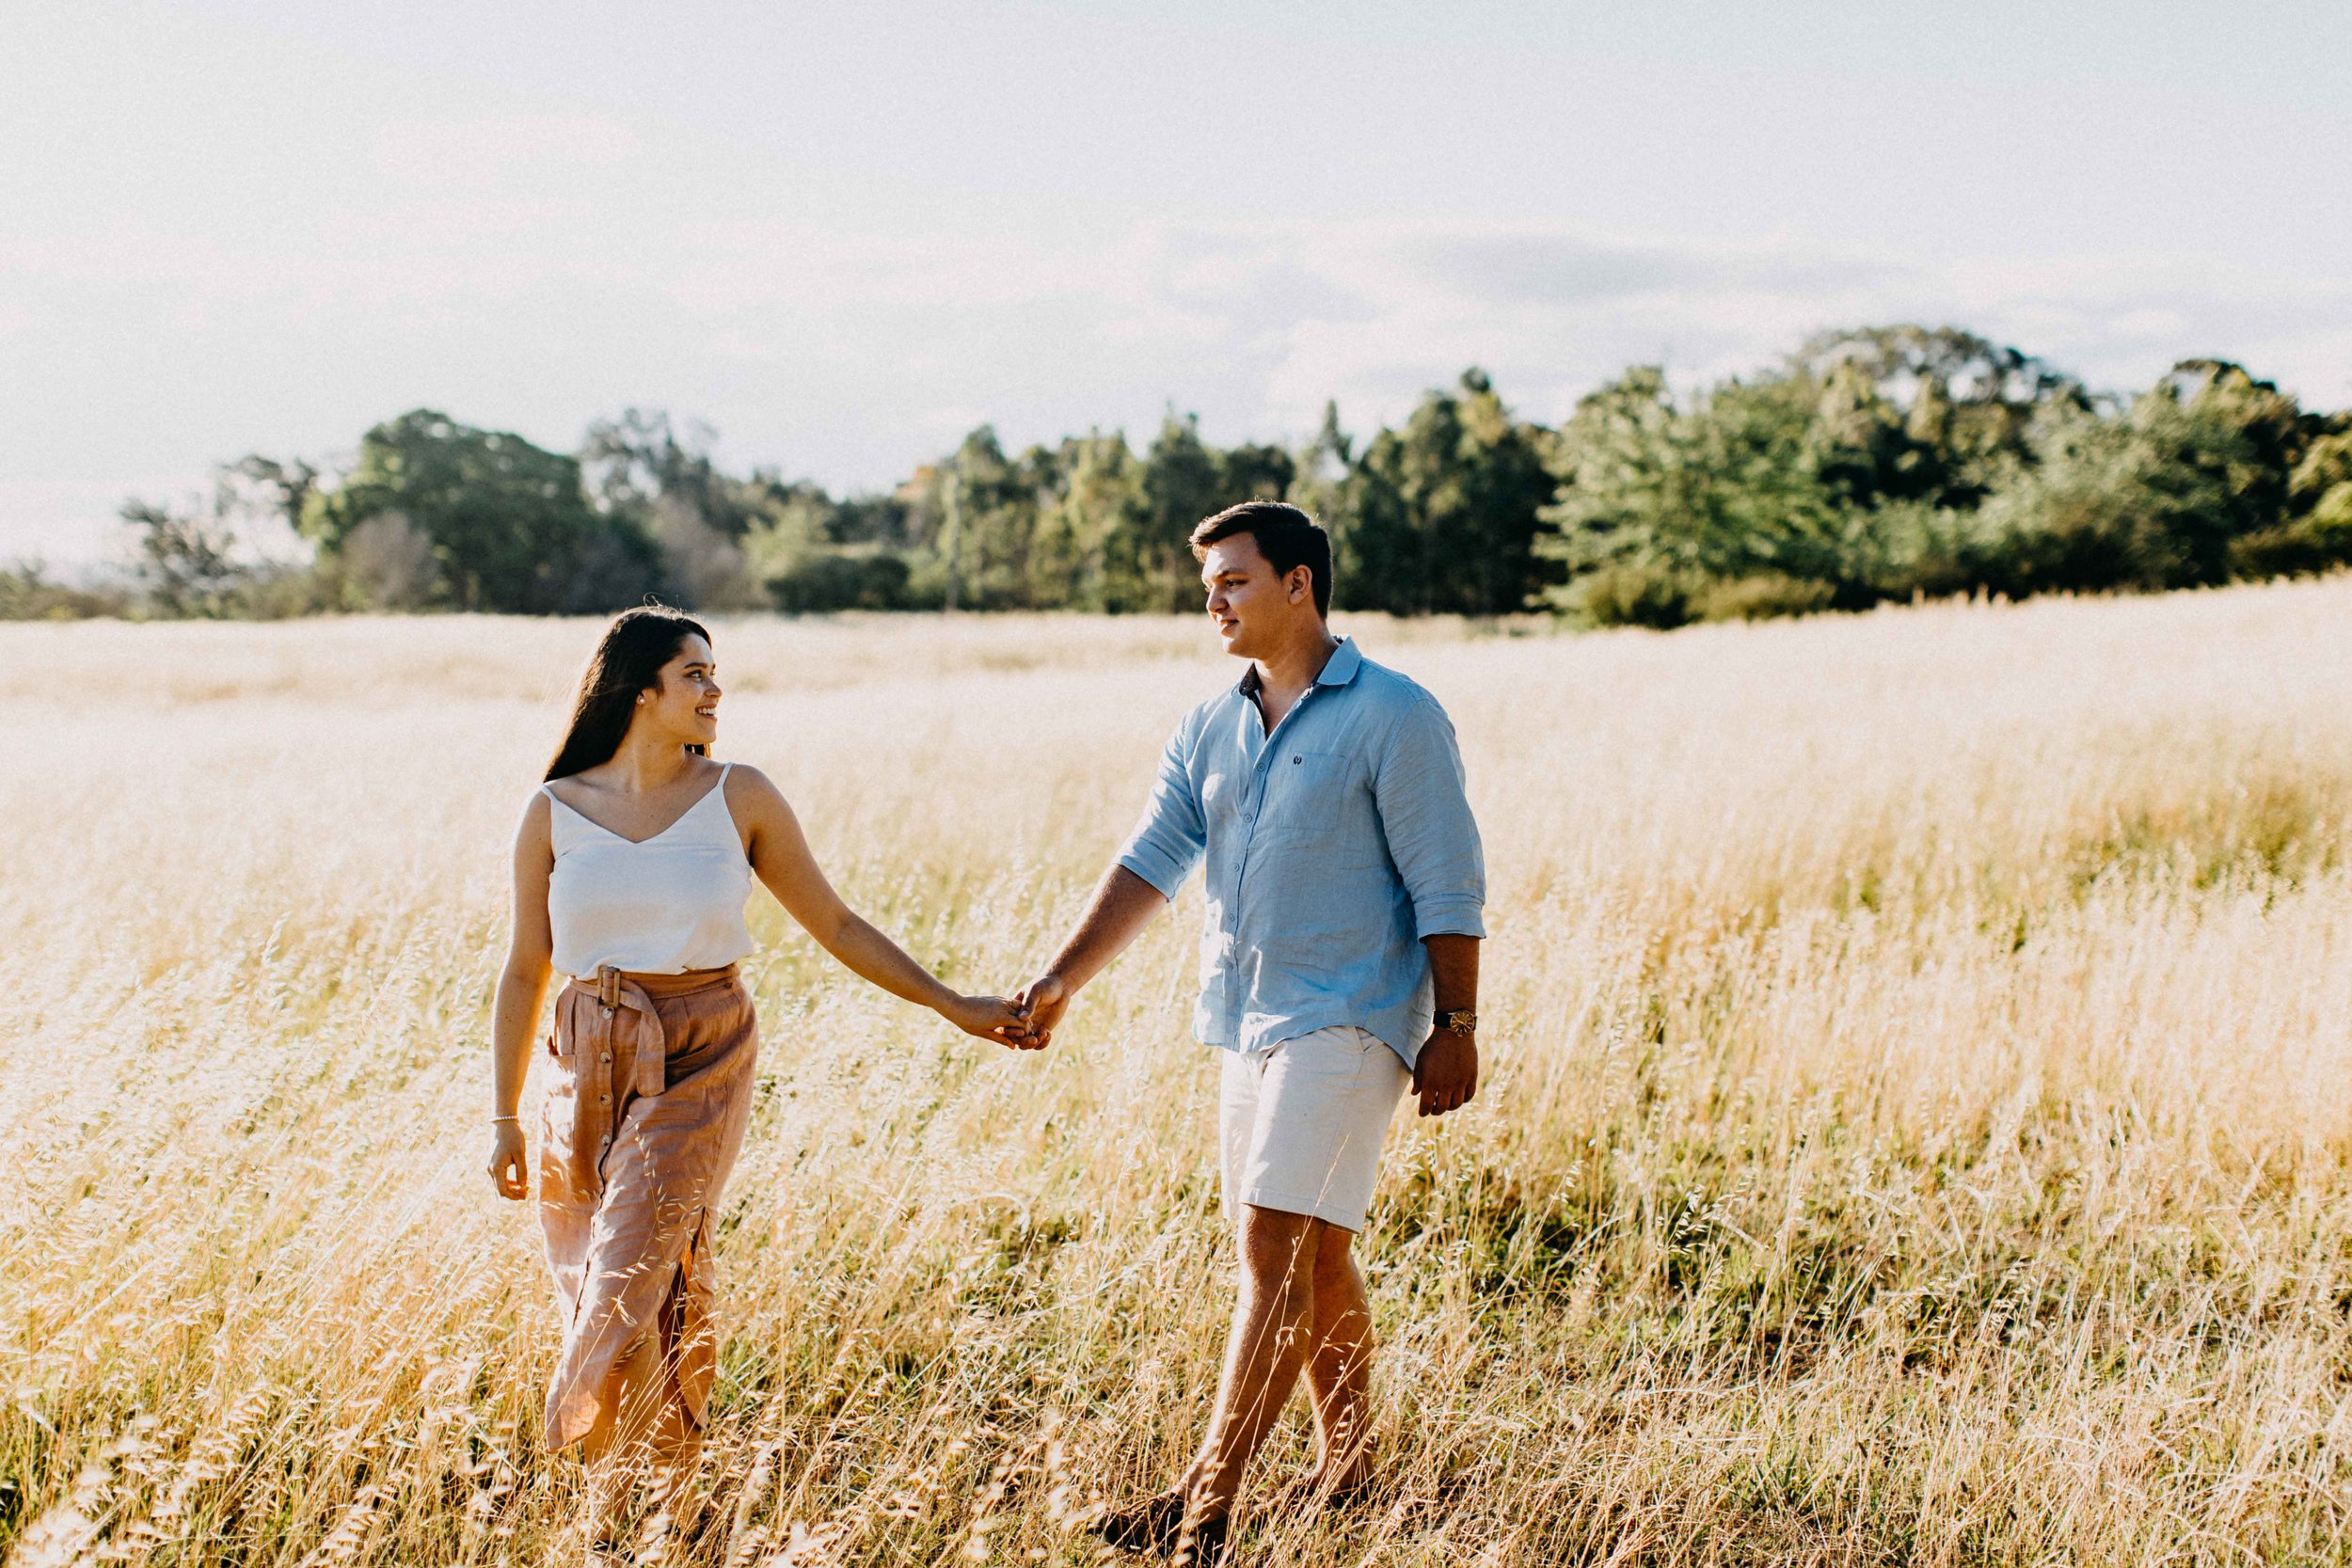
(631, 868)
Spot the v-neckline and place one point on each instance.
(610, 832)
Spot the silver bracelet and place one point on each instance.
(517, 1120)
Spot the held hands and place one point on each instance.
(508, 1168)
(1446, 1076)
(1023, 1023)
(992, 1017)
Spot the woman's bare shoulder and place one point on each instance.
(534, 832)
(747, 786)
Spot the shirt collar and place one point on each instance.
(1339, 669)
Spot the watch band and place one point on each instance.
(1461, 1021)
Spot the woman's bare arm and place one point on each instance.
(522, 991)
(781, 858)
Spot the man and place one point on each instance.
(1339, 964)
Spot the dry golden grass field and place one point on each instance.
(1919, 1105)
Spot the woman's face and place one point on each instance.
(686, 703)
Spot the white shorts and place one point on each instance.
(1301, 1123)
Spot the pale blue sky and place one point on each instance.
(844, 234)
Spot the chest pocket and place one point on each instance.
(1308, 792)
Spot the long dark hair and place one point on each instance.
(629, 660)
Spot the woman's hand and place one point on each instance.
(509, 1171)
(992, 1017)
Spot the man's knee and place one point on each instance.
(1280, 1250)
(1335, 1258)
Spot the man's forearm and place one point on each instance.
(1123, 904)
(1454, 971)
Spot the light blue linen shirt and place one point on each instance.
(1334, 845)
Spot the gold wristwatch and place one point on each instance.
(1461, 1021)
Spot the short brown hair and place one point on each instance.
(1287, 537)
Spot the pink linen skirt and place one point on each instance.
(643, 1115)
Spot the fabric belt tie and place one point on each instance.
(626, 1021)
(625, 1006)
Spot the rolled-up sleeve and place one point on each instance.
(1424, 811)
(1168, 841)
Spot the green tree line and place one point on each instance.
(1874, 464)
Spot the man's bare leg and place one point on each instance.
(1273, 1327)
(1339, 1368)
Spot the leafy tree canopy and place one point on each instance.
(1872, 463)
(508, 523)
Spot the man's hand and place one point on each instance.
(1446, 1077)
(1039, 1005)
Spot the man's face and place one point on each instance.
(1253, 607)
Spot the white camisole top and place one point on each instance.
(661, 906)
